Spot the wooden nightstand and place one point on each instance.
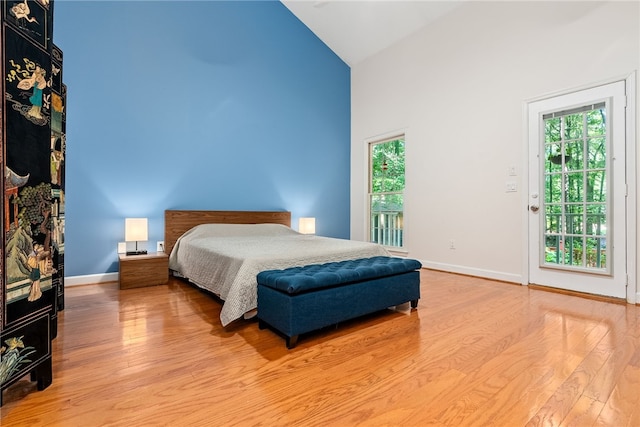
(137, 271)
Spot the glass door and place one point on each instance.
(577, 191)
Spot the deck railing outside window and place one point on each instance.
(387, 219)
(582, 241)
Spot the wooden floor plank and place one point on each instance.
(621, 408)
(475, 352)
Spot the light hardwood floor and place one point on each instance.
(475, 352)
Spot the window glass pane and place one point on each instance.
(574, 187)
(596, 186)
(596, 220)
(574, 219)
(552, 130)
(574, 158)
(597, 149)
(596, 123)
(387, 220)
(596, 253)
(388, 166)
(553, 218)
(573, 251)
(385, 203)
(553, 250)
(553, 188)
(553, 156)
(573, 126)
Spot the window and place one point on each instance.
(386, 191)
(575, 187)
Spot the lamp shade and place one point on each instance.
(307, 225)
(135, 229)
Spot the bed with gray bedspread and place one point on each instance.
(226, 258)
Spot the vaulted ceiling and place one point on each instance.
(357, 29)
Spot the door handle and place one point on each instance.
(534, 206)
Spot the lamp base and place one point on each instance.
(136, 253)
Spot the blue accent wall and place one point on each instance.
(225, 105)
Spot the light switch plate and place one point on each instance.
(160, 246)
(122, 247)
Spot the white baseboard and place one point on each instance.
(90, 279)
(478, 272)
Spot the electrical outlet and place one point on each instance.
(160, 246)
(122, 247)
(452, 244)
(511, 187)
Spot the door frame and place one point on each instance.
(632, 289)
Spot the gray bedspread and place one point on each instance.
(226, 258)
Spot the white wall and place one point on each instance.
(457, 88)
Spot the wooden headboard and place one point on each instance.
(178, 222)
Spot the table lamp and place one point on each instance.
(136, 230)
(307, 225)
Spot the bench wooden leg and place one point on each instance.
(262, 325)
(292, 341)
(414, 303)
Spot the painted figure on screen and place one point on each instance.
(38, 83)
(30, 76)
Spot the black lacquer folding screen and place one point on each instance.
(32, 216)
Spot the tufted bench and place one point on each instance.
(302, 299)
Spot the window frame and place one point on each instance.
(369, 193)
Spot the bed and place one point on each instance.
(223, 252)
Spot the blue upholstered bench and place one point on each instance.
(298, 300)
